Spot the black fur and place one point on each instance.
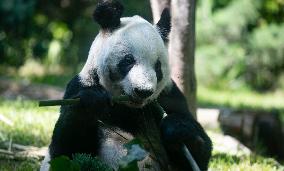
(75, 125)
(158, 70)
(77, 129)
(107, 14)
(164, 24)
(180, 127)
(125, 65)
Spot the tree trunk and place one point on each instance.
(181, 45)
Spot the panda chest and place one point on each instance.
(112, 150)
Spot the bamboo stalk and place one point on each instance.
(59, 102)
(63, 102)
(190, 158)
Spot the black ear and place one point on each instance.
(107, 13)
(164, 24)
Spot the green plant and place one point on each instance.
(265, 58)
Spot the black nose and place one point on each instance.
(143, 93)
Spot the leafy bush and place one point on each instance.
(52, 32)
(265, 58)
(237, 46)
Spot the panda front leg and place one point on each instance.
(177, 130)
(77, 129)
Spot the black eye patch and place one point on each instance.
(158, 70)
(125, 65)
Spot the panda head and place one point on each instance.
(129, 56)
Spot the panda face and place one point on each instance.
(132, 61)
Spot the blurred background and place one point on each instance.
(239, 64)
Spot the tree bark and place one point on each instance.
(157, 8)
(181, 45)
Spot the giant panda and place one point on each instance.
(128, 57)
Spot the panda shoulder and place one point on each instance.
(172, 99)
(72, 87)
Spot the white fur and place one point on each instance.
(140, 38)
(111, 153)
(112, 149)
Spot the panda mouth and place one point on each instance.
(137, 101)
(134, 102)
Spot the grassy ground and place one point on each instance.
(240, 99)
(226, 162)
(33, 126)
(12, 165)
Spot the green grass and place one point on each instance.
(240, 99)
(226, 162)
(31, 126)
(12, 165)
(34, 125)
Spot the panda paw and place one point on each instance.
(175, 132)
(97, 100)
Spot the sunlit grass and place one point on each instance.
(240, 99)
(31, 125)
(226, 162)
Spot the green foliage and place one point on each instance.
(265, 58)
(235, 46)
(53, 32)
(89, 163)
(63, 163)
(80, 162)
(272, 11)
(131, 166)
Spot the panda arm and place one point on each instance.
(94, 99)
(173, 101)
(178, 127)
(76, 130)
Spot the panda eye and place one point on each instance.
(158, 70)
(126, 64)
